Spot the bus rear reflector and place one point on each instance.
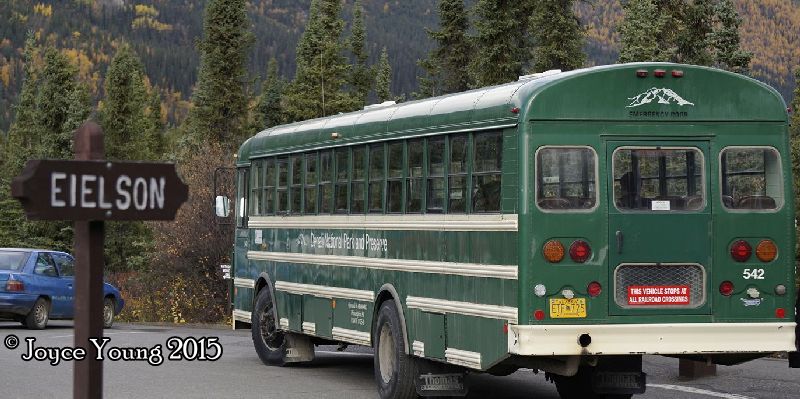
(780, 313)
(726, 288)
(766, 251)
(15, 286)
(553, 251)
(741, 251)
(594, 289)
(539, 314)
(580, 251)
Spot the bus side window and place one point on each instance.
(326, 181)
(377, 174)
(342, 179)
(436, 161)
(311, 184)
(457, 196)
(269, 186)
(283, 182)
(415, 180)
(394, 196)
(297, 185)
(255, 187)
(359, 175)
(487, 175)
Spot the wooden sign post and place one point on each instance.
(90, 191)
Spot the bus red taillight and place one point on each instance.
(726, 288)
(741, 251)
(780, 313)
(594, 289)
(580, 251)
(15, 286)
(538, 314)
(553, 251)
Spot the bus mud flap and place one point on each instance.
(436, 379)
(298, 348)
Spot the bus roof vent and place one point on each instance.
(381, 105)
(540, 74)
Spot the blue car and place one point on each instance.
(37, 285)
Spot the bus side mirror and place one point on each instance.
(222, 206)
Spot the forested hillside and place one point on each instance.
(164, 32)
(770, 30)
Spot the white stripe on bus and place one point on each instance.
(324, 291)
(464, 308)
(244, 282)
(496, 222)
(508, 272)
(352, 336)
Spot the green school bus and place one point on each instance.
(569, 222)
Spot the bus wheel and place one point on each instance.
(395, 371)
(579, 386)
(269, 342)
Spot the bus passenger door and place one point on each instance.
(241, 241)
(659, 218)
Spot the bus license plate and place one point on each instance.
(562, 308)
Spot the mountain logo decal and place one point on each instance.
(663, 96)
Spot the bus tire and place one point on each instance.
(395, 371)
(579, 386)
(268, 340)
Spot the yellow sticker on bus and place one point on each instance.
(562, 308)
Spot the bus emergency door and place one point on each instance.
(659, 219)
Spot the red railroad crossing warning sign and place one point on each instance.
(99, 190)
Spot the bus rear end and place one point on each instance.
(662, 222)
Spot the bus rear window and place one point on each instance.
(751, 178)
(658, 179)
(566, 178)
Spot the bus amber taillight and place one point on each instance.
(726, 288)
(766, 251)
(580, 251)
(553, 251)
(741, 251)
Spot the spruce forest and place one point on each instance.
(188, 80)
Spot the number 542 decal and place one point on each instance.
(753, 274)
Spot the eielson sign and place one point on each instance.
(99, 190)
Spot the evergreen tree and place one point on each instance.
(322, 71)
(383, 80)
(557, 35)
(269, 112)
(54, 105)
(726, 41)
(361, 75)
(154, 134)
(640, 28)
(447, 65)
(501, 43)
(694, 38)
(123, 112)
(220, 98)
(794, 139)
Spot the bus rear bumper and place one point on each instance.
(623, 339)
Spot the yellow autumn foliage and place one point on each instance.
(43, 9)
(145, 10)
